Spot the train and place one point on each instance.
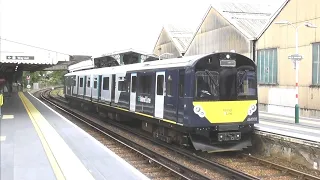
(207, 102)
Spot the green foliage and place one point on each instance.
(49, 78)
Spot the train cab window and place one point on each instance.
(106, 83)
(160, 83)
(134, 84)
(169, 86)
(145, 84)
(246, 83)
(207, 85)
(81, 82)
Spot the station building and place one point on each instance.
(251, 30)
(276, 72)
(173, 40)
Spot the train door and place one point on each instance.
(80, 86)
(181, 95)
(113, 89)
(75, 86)
(89, 86)
(94, 90)
(99, 87)
(171, 95)
(106, 90)
(159, 94)
(133, 91)
(68, 82)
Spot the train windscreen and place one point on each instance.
(225, 77)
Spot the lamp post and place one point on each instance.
(296, 58)
(165, 54)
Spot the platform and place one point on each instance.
(39, 143)
(306, 129)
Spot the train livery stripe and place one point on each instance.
(225, 111)
(169, 121)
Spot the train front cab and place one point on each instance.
(224, 107)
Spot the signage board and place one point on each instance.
(295, 57)
(20, 57)
(28, 77)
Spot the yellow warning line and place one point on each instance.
(54, 164)
(7, 116)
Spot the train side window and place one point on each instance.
(95, 83)
(81, 82)
(106, 83)
(134, 84)
(74, 82)
(181, 84)
(122, 86)
(169, 86)
(160, 79)
(88, 84)
(145, 84)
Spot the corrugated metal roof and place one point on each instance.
(87, 64)
(167, 63)
(124, 51)
(249, 18)
(180, 36)
(285, 2)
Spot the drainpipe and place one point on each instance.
(254, 50)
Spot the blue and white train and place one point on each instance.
(206, 101)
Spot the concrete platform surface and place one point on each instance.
(307, 128)
(39, 143)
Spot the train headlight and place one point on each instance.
(199, 111)
(201, 114)
(252, 109)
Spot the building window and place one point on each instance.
(316, 64)
(267, 66)
(106, 83)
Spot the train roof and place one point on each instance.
(167, 63)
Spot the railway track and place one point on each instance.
(260, 168)
(154, 165)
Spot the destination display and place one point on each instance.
(20, 57)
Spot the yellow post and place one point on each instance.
(1, 99)
(1, 103)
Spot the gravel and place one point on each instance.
(231, 160)
(291, 165)
(127, 155)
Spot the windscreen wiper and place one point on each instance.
(242, 79)
(211, 78)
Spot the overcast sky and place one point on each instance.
(97, 26)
